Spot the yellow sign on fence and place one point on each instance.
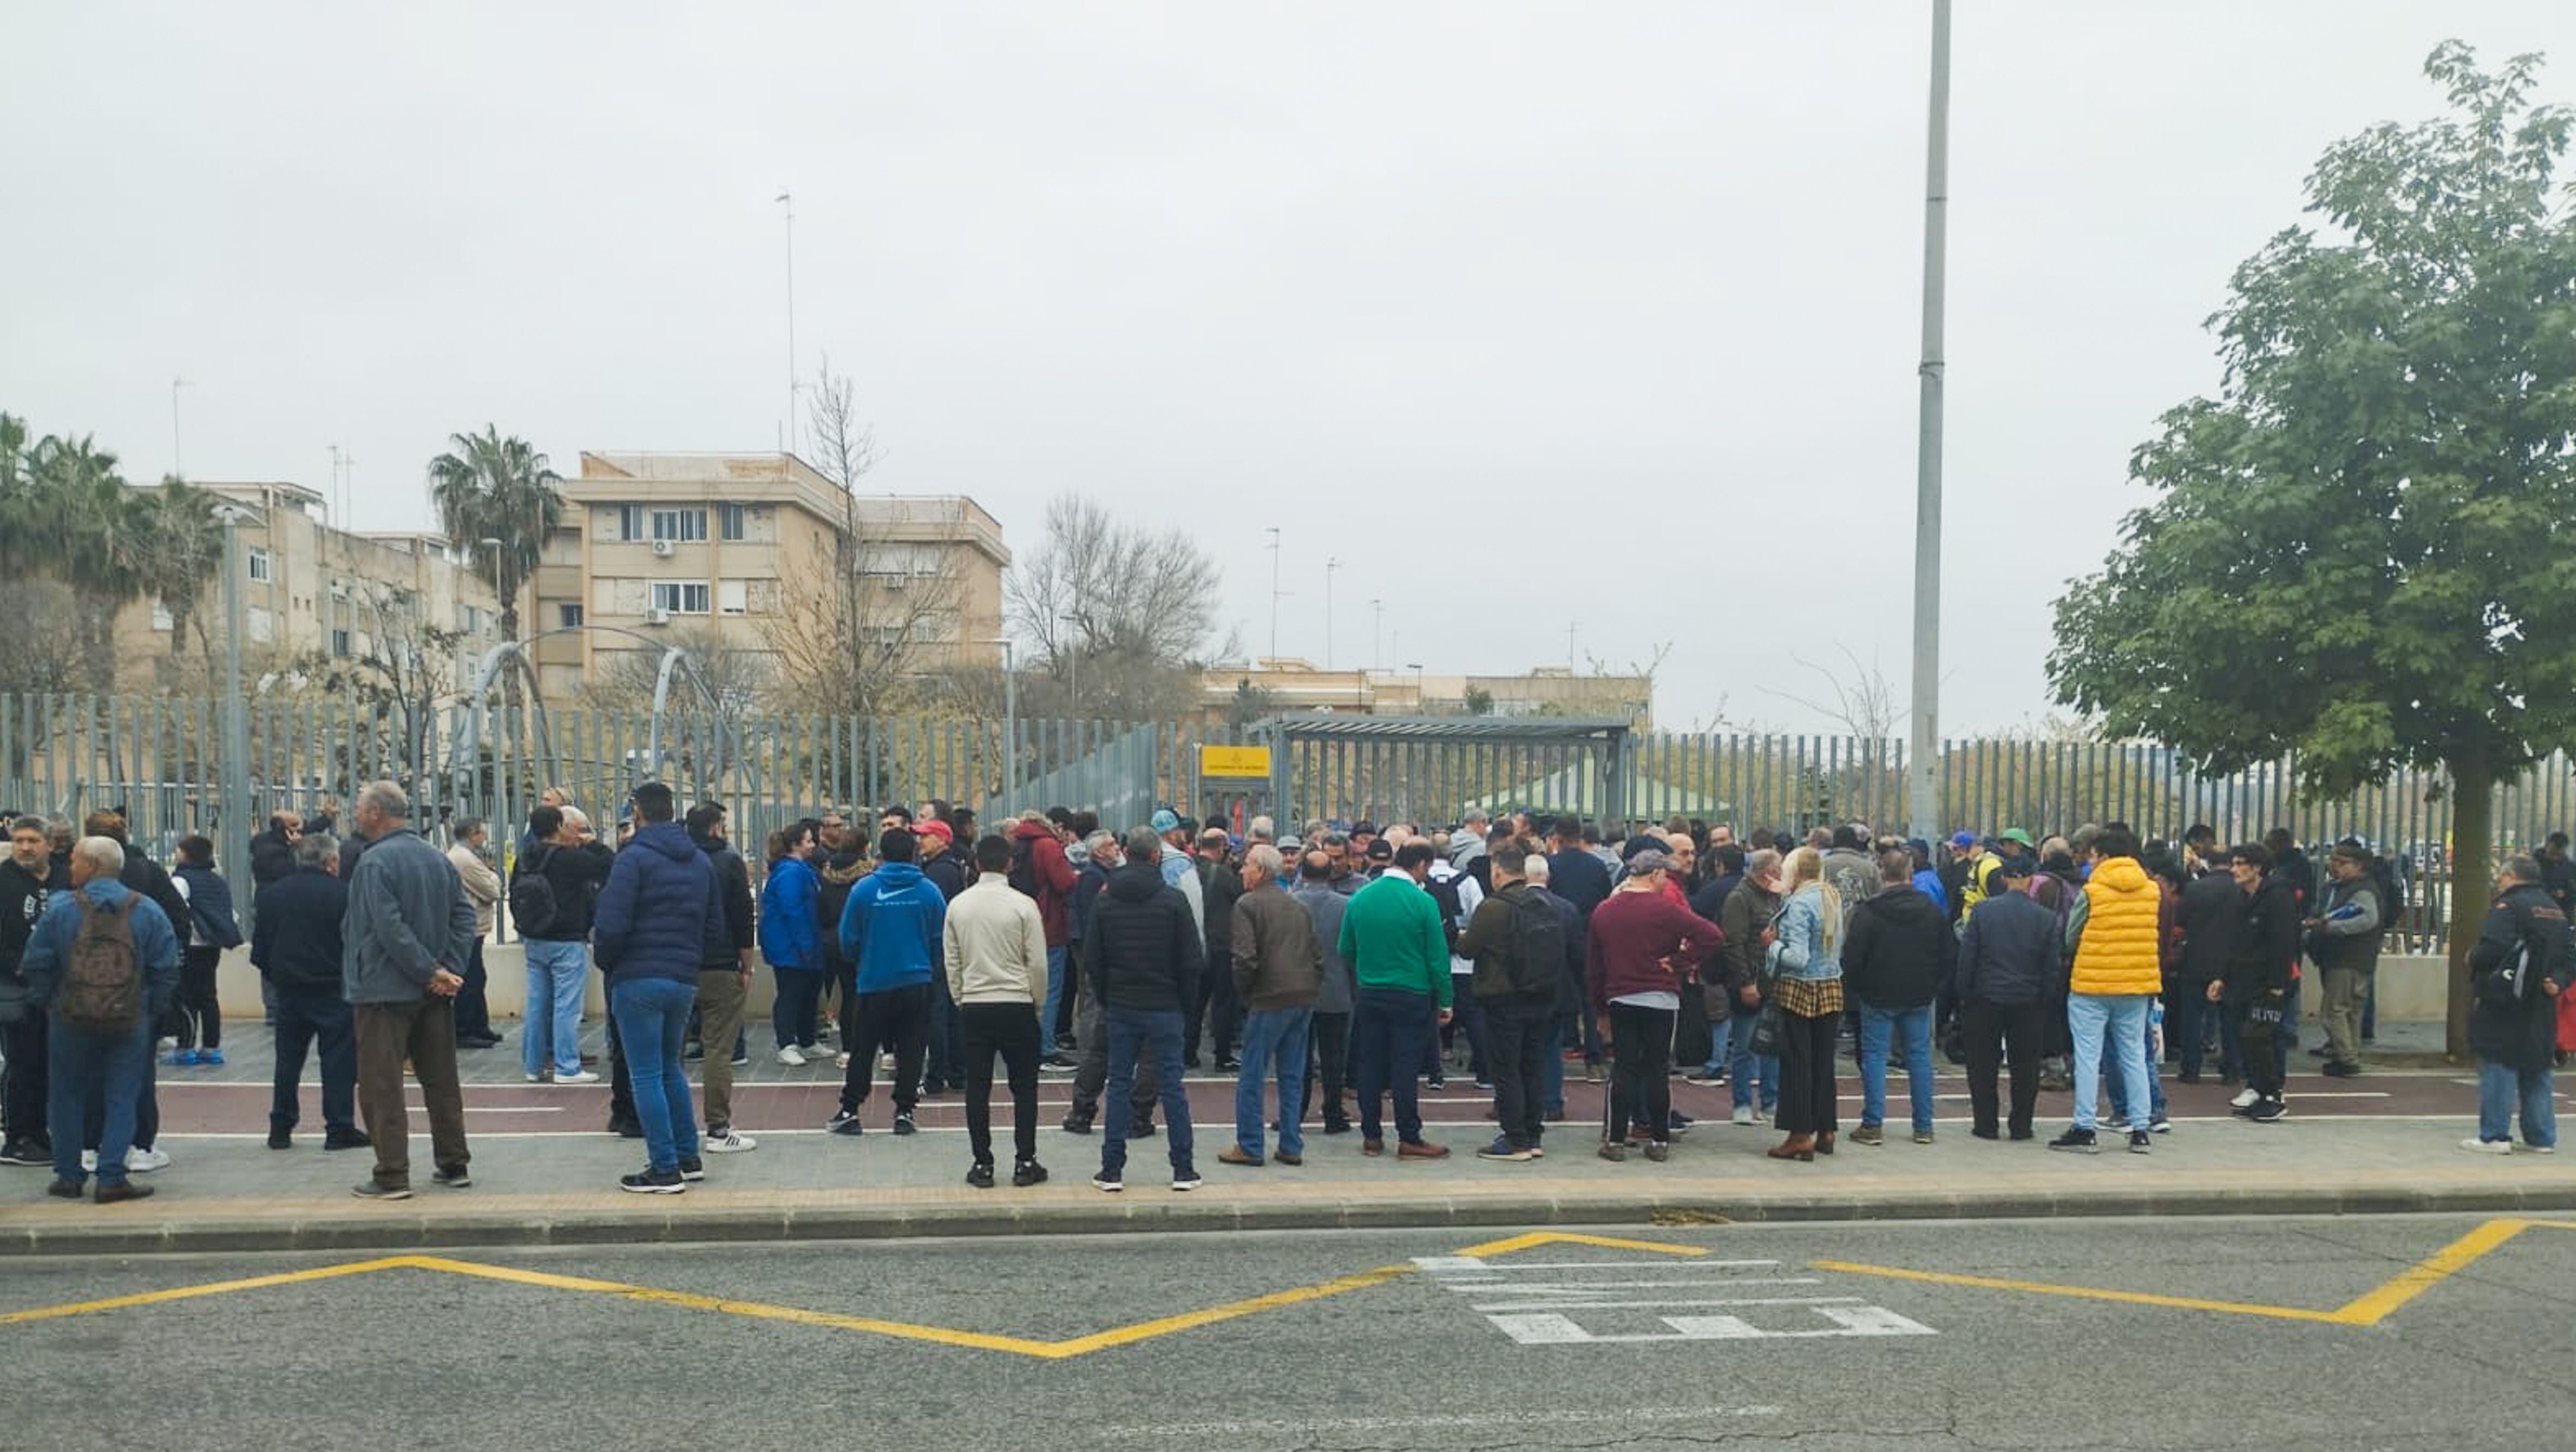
(1242, 761)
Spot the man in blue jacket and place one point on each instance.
(891, 927)
(296, 946)
(86, 1065)
(659, 917)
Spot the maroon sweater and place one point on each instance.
(1633, 935)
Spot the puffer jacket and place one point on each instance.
(1901, 949)
(658, 911)
(1144, 950)
(2010, 952)
(789, 936)
(1052, 872)
(2120, 948)
(839, 873)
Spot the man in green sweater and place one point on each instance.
(1399, 959)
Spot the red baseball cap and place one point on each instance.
(937, 828)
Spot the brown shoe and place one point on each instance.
(1869, 1134)
(1825, 1142)
(1613, 1151)
(1235, 1154)
(1372, 1146)
(1658, 1151)
(1795, 1147)
(1414, 1149)
(1286, 1158)
(127, 1190)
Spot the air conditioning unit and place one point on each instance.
(662, 547)
(897, 582)
(657, 617)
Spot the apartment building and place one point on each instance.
(740, 549)
(1287, 686)
(313, 592)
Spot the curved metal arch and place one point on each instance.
(674, 659)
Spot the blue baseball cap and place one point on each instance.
(1165, 820)
(1963, 839)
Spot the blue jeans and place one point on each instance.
(2121, 1018)
(2499, 1089)
(558, 972)
(1134, 1032)
(1388, 1029)
(2116, 1079)
(320, 1021)
(1054, 1003)
(1744, 1068)
(94, 1073)
(652, 1018)
(1273, 1035)
(792, 1015)
(1912, 1028)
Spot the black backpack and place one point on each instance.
(532, 897)
(1535, 959)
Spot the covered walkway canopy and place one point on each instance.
(1430, 769)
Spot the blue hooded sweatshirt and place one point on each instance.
(789, 936)
(891, 928)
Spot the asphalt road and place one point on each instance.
(1749, 1343)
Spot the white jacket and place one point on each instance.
(996, 945)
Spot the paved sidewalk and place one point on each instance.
(544, 1173)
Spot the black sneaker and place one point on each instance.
(980, 1175)
(1027, 1173)
(2341, 1069)
(626, 1128)
(2267, 1111)
(845, 1122)
(370, 1190)
(692, 1168)
(1109, 1182)
(64, 1189)
(653, 1182)
(903, 1124)
(1229, 1066)
(693, 1050)
(23, 1152)
(1144, 1130)
(2075, 1141)
(454, 1177)
(281, 1139)
(1076, 1124)
(2141, 1142)
(347, 1139)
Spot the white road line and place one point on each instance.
(1513, 1306)
(1553, 1265)
(1440, 1420)
(1550, 1288)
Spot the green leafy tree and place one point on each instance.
(489, 487)
(2363, 551)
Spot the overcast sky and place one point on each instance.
(1535, 316)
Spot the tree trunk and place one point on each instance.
(2472, 879)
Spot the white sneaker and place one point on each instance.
(585, 1076)
(2487, 1146)
(791, 1058)
(145, 1161)
(540, 1078)
(1744, 1114)
(727, 1143)
(89, 1162)
(166, 1042)
(841, 1060)
(2539, 1149)
(2243, 1098)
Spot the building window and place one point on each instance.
(473, 620)
(568, 616)
(339, 642)
(681, 526)
(630, 521)
(731, 517)
(684, 597)
(887, 561)
(733, 597)
(258, 564)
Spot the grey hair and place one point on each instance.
(1536, 871)
(574, 815)
(315, 849)
(2521, 866)
(1262, 829)
(102, 853)
(1765, 860)
(386, 799)
(1102, 838)
(1265, 859)
(1143, 843)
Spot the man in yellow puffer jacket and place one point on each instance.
(2117, 931)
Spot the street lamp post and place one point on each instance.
(1330, 566)
(236, 807)
(1923, 798)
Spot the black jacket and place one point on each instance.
(1144, 951)
(1900, 952)
(733, 885)
(2011, 951)
(1219, 887)
(295, 932)
(2267, 942)
(947, 873)
(576, 874)
(271, 857)
(22, 901)
(839, 873)
(2212, 912)
(1710, 901)
(143, 875)
(2519, 1032)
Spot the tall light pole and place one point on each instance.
(1923, 805)
(1330, 565)
(1273, 532)
(236, 808)
(787, 434)
(178, 464)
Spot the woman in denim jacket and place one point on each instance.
(1804, 964)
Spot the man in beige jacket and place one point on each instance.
(483, 889)
(997, 975)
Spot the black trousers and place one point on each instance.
(473, 1013)
(899, 1017)
(1010, 1030)
(1516, 1036)
(621, 1084)
(1215, 1008)
(23, 1085)
(1641, 1085)
(2262, 1056)
(201, 1019)
(1332, 1037)
(1991, 1030)
(1807, 1074)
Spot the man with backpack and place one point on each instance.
(103, 964)
(1040, 870)
(1516, 940)
(553, 889)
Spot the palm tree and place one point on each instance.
(182, 545)
(489, 487)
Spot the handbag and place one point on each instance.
(1769, 1028)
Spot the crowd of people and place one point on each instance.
(1350, 966)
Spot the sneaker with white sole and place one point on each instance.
(1111, 1183)
(1743, 1114)
(140, 1161)
(2244, 1099)
(791, 1058)
(89, 1161)
(2487, 1146)
(1187, 1180)
(726, 1142)
(585, 1076)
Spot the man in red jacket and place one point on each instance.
(1638, 951)
(1040, 869)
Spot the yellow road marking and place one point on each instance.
(218, 1288)
(2368, 1309)
(904, 1330)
